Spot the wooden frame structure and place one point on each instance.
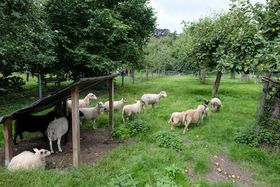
(56, 99)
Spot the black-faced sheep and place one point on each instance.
(152, 98)
(33, 123)
(28, 160)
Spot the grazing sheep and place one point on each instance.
(128, 110)
(28, 160)
(215, 104)
(56, 129)
(33, 123)
(194, 115)
(93, 112)
(83, 103)
(152, 98)
(117, 105)
(176, 117)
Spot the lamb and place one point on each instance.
(152, 98)
(92, 112)
(194, 115)
(83, 103)
(128, 110)
(215, 104)
(33, 123)
(177, 117)
(28, 160)
(117, 105)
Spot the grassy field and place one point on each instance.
(144, 162)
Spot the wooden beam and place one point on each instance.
(111, 100)
(75, 125)
(8, 140)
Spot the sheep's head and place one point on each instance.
(100, 105)
(124, 99)
(163, 94)
(91, 96)
(206, 102)
(42, 152)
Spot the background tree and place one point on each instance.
(25, 40)
(94, 38)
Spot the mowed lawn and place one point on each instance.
(143, 163)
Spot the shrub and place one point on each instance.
(168, 140)
(251, 137)
(131, 128)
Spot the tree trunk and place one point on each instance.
(276, 106)
(244, 77)
(262, 103)
(232, 74)
(122, 80)
(147, 74)
(202, 74)
(217, 83)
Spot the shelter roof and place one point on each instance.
(60, 95)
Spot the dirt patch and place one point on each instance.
(94, 145)
(225, 170)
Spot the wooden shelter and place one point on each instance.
(59, 98)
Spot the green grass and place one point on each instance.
(144, 163)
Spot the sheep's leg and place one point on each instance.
(58, 144)
(51, 148)
(187, 122)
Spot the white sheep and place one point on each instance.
(152, 98)
(176, 117)
(83, 103)
(92, 112)
(194, 115)
(117, 105)
(56, 129)
(128, 110)
(215, 104)
(28, 160)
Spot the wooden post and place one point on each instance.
(75, 125)
(111, 100)
(8, 140)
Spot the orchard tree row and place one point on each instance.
(77, 38)
(244, 39)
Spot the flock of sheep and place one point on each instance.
(58, 127)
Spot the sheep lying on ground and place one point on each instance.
(33, 123)
(117, 105)
(152, 98)
(28, 160)
(128, 110)
(194, 115)
(215, 104)
(83, 103)
(92, 112)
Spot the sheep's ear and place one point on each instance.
(35, 150)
